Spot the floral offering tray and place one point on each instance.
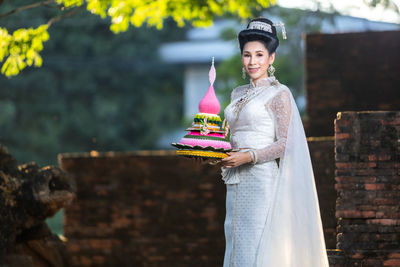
(208, 148)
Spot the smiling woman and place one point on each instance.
(256, 60)
(272, 211)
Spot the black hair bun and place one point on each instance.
(260, 29)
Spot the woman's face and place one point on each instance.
(256, 60)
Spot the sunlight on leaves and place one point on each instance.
(21, 49)
(124, 13)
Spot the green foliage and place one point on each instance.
(95, 91)
(199, 13)
(21, 49)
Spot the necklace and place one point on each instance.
(243, 101)
(250, 94)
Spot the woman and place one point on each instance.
(272, 211)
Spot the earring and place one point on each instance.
(271, 70)
(243, 73)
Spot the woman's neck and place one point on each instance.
(260, 81)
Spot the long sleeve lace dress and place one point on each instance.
(259, 117)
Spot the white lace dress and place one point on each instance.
(262, 125)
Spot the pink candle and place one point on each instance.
(209, 103)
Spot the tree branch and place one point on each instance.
(44, 3)
(65, 15)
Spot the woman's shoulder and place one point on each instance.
(282, 90)
(281, 94)
(282, 87)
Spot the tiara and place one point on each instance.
(260, 25)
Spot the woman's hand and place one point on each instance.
(236, 159)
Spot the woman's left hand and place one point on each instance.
(236, 159)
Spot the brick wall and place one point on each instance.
(144, 210)
(350, 71)
(157, 209)
(367, 174)
(323, 162)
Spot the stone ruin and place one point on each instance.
(28, 195)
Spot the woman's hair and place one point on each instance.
(267, 45)
(268, 39)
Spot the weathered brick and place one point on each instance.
(355, 214)
(368, 190)
(385, 201)
(395, 255)
(367, 207)
(371, 263)
(349, 186)
(172, 215)
(392, 262)
(85, 261)
(355, 179)
(342, 136)
(375, 186)
(384, 221)
(384, 157)
(357, 255)
(389, 229)
(372, 157)
(98, 260)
